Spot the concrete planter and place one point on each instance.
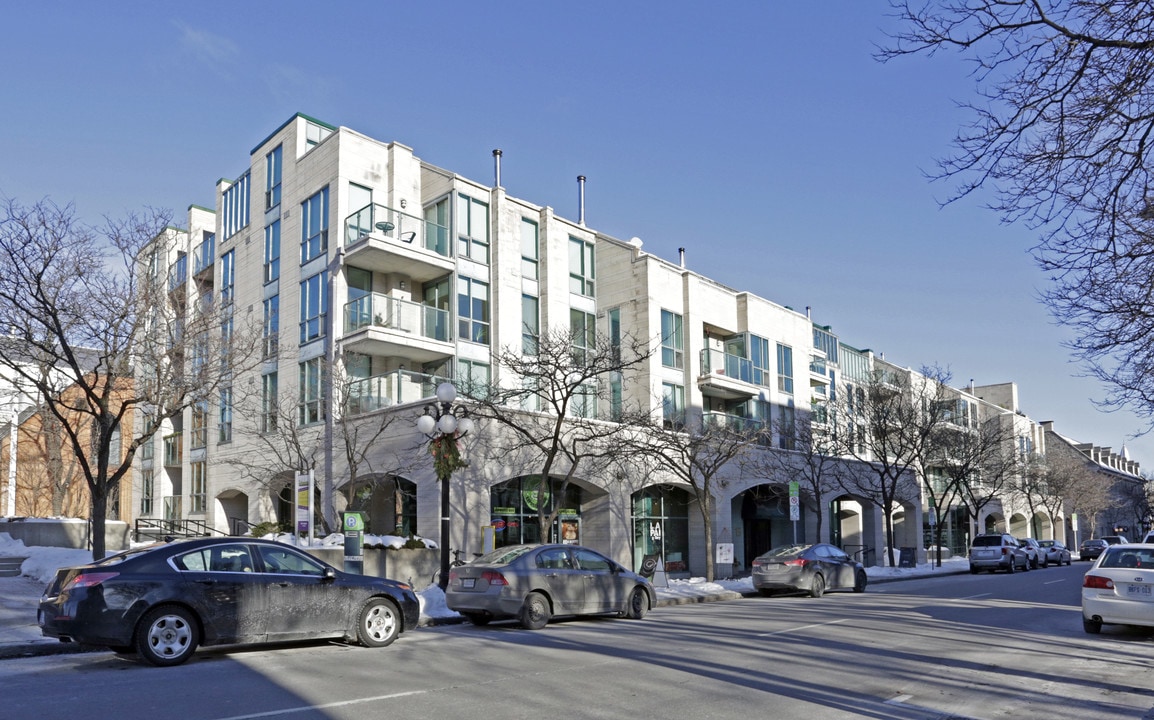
(412, 566)
(65, 533)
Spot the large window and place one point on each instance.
(759, 358)
(227, 278)
(314, 307)
(583, 336)
(672, 406)
(472, 229)
(199, 488)
(672, 340)
(530, 254)
(785, 368)
(315, 226)
(514, 509)
(235, 206)
(474, 377)
(226, 414)
(269, 405)
(147, 491)
(272, 178)
(199, 437)
(272, 251)
(473, 310)
(311, 392)
(661, 528)
(271, 327)
(530, 324)
(582, 278)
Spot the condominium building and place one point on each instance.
(372, 276)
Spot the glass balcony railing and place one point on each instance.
(204, 255)
(394, 388)
(399, 226)
(734, 366)
(378, 310)
(178, 272)
(817, 366)
(737, 423)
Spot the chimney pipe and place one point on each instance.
(497, 165)
(681, 254)
(580, 199)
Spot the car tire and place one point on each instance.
(478, 619)
(1013, 567)
(167, 635)
(974, 570)
(817, 586)
(1091, 626)
(379, 623)
(860, 580)
(535, 611)
(638, 604)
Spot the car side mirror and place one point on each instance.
(329, 575)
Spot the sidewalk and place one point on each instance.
(19, 596)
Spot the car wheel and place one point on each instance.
(860, 581)
(1046, 562)
(974, 570)
(817, 586)
(379, 623)
(1013, 566)
(638, 604)
(477, 618)
(535, 611)
(1091, 626)
(167, 635)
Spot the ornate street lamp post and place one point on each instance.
(445, 424)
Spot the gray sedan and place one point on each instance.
(1056, 551)
(812, 569)
(535, 582)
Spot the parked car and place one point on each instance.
(1149, 537)
(1119, 588)
(533, 583)
(1115, 539)
(1056, 552)
(997, 551)
(163, 601)
(812, 569)
(1092, 548)
(1034, 552)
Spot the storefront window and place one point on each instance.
(661, 527)
(514, 508)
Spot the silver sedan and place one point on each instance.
(1056, 552)
(535, 582)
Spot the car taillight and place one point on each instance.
(494, 578)
(1097, 582)
(1005, 550)
(90, 579)
(796, 562)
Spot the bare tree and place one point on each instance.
(559, 407)
(1086, 493)
(1061, 133)
(87, 303)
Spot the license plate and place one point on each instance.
(468, 583)
(1142, 591)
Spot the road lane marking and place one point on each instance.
(803, 627)
(311, 708)
(971, 597)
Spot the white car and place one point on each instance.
(1119, 588)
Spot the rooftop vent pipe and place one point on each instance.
(497, 166)
(580, 199)
(681, 255)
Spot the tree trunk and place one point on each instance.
(99, 513)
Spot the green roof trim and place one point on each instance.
(286, 123)
(194, 206)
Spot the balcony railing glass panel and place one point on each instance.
(397, 226)
(376, 309)
(393, 388)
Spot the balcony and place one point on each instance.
(818, 373)
(173, 449)
(178, 273)
(729, 376)
(394, 388)
(378, 324)
(736, 423)
(204, 255)
(385, 240)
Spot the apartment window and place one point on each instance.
(315, 226)
(584, 401)
(271, 327)
(472, 229)
(272, 251)
(784, 368)
(199, 495)
(786, 428)
(272, 178)
(672, 406)
(227, 277)
(235, 206)
(582, 277)
(474, 377)
(616, 389)
(530, 324)
(672, 340)
(268, 402)
(529, 249)
(147, 491)
(583, 336)
(226, 414)
(473, 310)
(759, 359)
(315, 133)
(314, 307)
(311, 392)
(199, 437)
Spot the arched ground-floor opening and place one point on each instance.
(762, 513)
(993, 522)
(232, 512)
(1019, 525)
(661, 528)
(954, 528)
(1041, 526)
(516, 507)
(388, 502)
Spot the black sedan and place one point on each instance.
(1091, 549)
(164, 600)
(811, 569)
(535, 582)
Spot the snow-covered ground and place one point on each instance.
(43, 562)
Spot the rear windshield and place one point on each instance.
(987, 540)
(502, 556)
(785, 551)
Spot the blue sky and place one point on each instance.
(760, 136)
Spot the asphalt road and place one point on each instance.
(982, 647)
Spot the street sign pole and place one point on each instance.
(794, 507)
